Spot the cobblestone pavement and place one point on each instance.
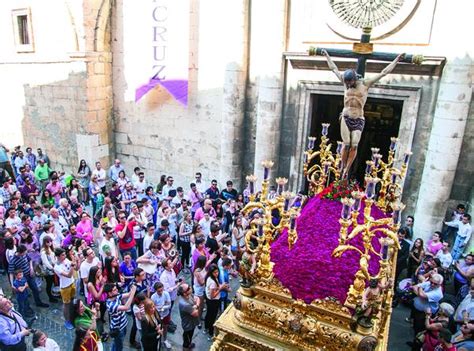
(51, 321)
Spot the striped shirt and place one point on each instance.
(118, 319)
(20, 262)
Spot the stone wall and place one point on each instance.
(165, 137)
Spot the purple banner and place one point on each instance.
(177, 88)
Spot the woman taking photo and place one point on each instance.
(213, 294)
(151, 327)
(84, 176)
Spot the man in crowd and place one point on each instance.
(23, 262)
(31, 157)
(428, 295)
(169, 186)
(207, 207)
(189, 313)
(5, 160)
(464, 271)
(213, 191)
(13, 328)
(99, 172)
(115, 169)
(65, 269)
(42, 172)
(446, 260)
(117, 310)
(403, 253)
(42, 156)
(229, 193)
(90, 260)
(463, 235)
(20, 161)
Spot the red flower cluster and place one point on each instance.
(308, 270)
(339, 189)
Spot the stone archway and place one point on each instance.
(410, 96)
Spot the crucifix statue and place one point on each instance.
(356, 89)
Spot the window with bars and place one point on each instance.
(23, 30)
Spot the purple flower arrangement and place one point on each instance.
(308, 270)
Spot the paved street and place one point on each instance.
(51, 321)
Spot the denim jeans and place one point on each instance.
(458, 247)
(34, 289)
(118, 340)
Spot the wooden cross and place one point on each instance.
(363, 51)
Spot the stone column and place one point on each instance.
(449, 124)
(233, 97)
(269, 35)
(94, 138)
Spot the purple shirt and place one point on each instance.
(56, 190)
(195, 200)
(10, 328)
(196, 255)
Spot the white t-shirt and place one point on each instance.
(445, 259)
(211, 285)
(64, 267)
(147, 241)
(206, 226)
(85, 268)
(14, 222)
(50, 345)
(137, 309)
(100, 176)
(111, 244)
(10, 253)
(168, 278)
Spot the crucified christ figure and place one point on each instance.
(352, 118)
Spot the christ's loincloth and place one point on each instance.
(354, 123)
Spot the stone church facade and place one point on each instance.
(253, 92)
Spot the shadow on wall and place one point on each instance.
(53, 114)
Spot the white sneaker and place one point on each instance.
(167, 344)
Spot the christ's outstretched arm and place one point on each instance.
(385, 71)
(332, 65)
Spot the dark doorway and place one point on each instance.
(382, 121)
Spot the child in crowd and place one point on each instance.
(20, 286)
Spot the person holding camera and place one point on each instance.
(13, 327)
(64, 269)
(189, 313)
(117, 313)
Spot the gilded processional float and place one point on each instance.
(317, 272)
(323, 267)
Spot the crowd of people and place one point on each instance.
(116, 250)
(438, 284)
